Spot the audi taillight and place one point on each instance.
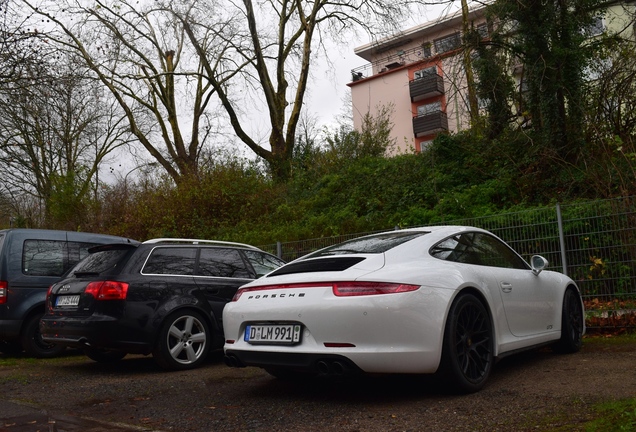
(107, 290)
(4, 285)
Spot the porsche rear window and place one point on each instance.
(318, 265)
(375, 244)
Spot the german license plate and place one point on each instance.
(275, 334)
(71, 300)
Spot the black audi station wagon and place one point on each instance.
(163, 297)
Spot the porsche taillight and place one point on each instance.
(340, 289)
(107, 290)
(348, 289)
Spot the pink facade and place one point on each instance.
(419, 76)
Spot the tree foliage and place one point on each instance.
(547, 45)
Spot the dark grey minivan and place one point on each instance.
(31, 260)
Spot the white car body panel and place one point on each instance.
(398, 332)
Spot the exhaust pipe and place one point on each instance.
(233, 361)
(338, 368)
(323, 368)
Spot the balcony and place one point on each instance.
(425, 87)
(431, 123)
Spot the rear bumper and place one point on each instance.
(320, 364)
(102, 334)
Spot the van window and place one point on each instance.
(43, 258)
(77, 251)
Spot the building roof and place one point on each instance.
(418, 32)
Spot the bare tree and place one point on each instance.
(20, 47)
(54, 133)
(141, 55)
(256, 58)
(273, 44)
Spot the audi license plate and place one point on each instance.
(71, 300)
(276, 334)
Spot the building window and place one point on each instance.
(426, 50)
(447, 43)
(482, 29)
(425, 72)
(596, 28)
(424, 145)
(429, 108)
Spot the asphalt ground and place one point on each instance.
(15, 417)
(535, 391)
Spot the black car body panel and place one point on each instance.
(162, 280)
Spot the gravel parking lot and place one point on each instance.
(537, 390)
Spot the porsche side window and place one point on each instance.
(477, 249)
(494, 253)
(458, 248)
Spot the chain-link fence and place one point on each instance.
(592, 242)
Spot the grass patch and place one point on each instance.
(615, 416)
(609, 341)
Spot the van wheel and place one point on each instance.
(32, 343)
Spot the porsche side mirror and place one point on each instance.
(538, 264)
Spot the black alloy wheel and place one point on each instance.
(571, 323)
(467, 356)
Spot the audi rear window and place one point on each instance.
(100, 261)
(375, 244)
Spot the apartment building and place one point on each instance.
(419, 75)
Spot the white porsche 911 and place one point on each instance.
(446, 299)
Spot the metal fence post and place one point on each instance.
(561, 239)
(279, 250)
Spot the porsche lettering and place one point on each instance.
(271, 296)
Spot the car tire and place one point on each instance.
(184, 341)
(571, 323)
(32, 342)
(467, 355)
(104, 356)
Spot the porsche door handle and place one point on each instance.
(506, 287)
